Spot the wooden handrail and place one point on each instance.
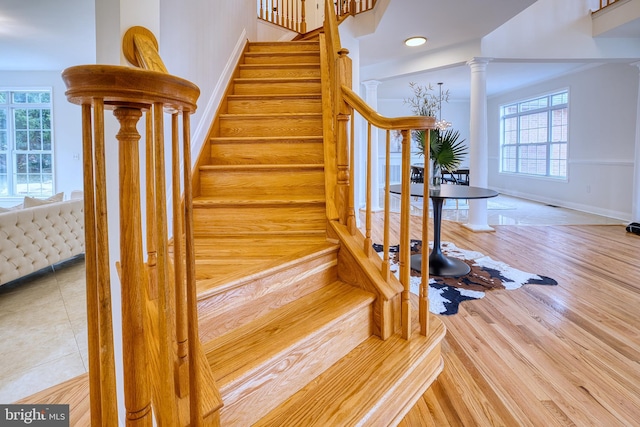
(387, 123)
(345, 104)
(162, 355)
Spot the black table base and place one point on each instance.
(441, 265)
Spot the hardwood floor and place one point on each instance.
(543, 355)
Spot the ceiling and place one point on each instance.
(449, 25)
(46, 34)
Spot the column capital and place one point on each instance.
(371, 83)
(479, 62)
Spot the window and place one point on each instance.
(26, 143)
(533, 136)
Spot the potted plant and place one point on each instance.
(446, 150)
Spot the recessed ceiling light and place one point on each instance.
(415, 41)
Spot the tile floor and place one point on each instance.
(43, 317)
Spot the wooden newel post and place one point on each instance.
(344, 190)
(137, 389)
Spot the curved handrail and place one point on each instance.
(382, 122)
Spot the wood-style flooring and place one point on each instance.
(565, 355)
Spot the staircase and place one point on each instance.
(288, 341)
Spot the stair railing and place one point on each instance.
(165, 377)
(343, 107)
(292, 14)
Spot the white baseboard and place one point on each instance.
(624, 216)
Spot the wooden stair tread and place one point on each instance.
(260, 139)
(353, 389)
(256, 200)
(284, 96)
(263, 168)
(295, 65)
(224, 262)
(262, 116)
(251, 345)
(267, 80)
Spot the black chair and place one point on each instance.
(417, 175)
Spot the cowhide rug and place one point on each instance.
(446, 293)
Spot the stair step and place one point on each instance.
(305, 124)
(224, 306)
(279, 70)
(262, 363)
(282, 57)
(275, 85)
(251, 219)
(266, 150)
(250, 181)
(271, 104)
(225, 260)
(295, 46)
(377, 383)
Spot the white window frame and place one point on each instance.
(512, 143)
(13, 187)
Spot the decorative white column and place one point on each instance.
(478, 142)
(371, 97)
(635, 208)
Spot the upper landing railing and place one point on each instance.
(605, 3)
(296, 15)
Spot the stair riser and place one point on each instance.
(274, 106)
(271, 126)
(309, 58)
(258, 87)
(252, 398)
(280, 71)
(251, 220)
(256, 182)
(283, 47)
(273, 153)
(235, 307)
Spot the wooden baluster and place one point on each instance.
(91, 271)
(136, 385)
(261, 12)
(107, 359)
(303, 20)
(386, 265)
(352, 8)
(423, 297)
(405, 244)
(167, 411)
(182, 332)
(152, 254)
(368, 249)
(195, 388)
(276, 10)
(351, 217)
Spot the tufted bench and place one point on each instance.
(37, 237)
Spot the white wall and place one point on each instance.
(602, 125)
(200, 41)
(67, 129)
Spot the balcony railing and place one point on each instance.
(294, 14)
(605, 3)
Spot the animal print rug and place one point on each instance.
(487, 274)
